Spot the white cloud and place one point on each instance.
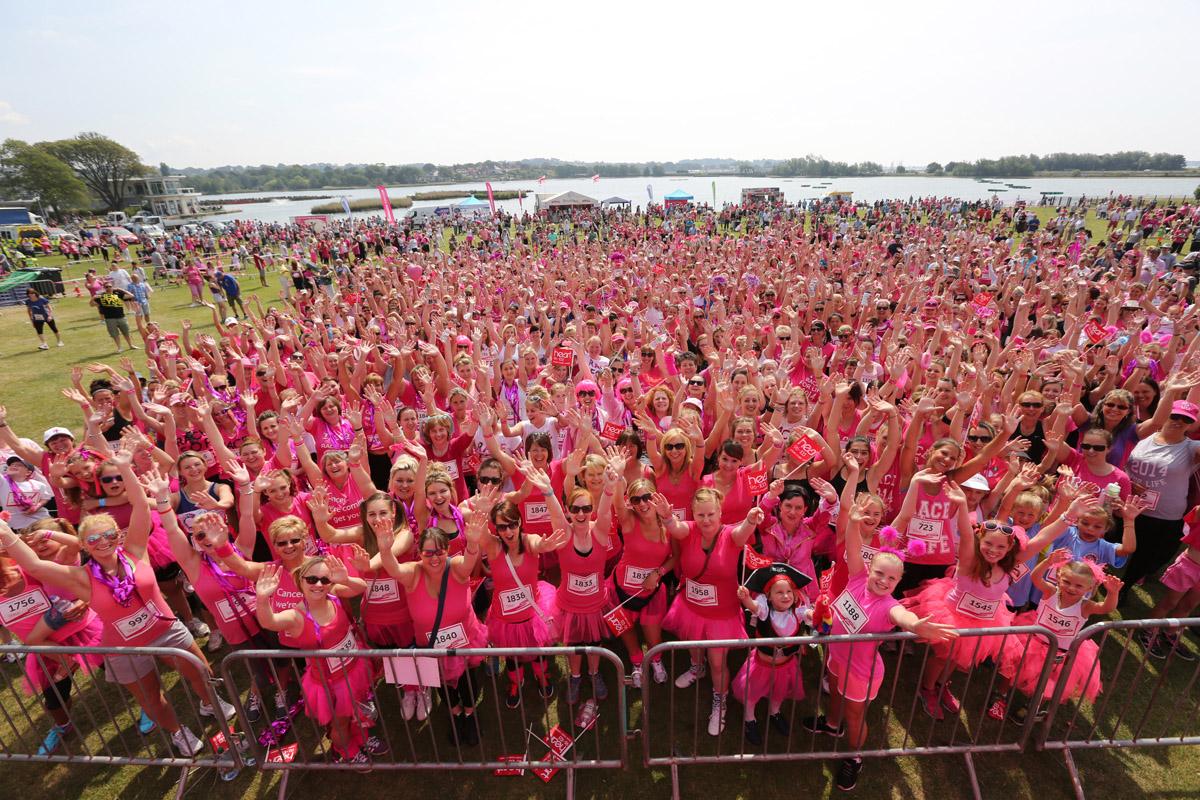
(10, 116)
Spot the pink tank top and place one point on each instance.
(230, 598)
(640, 557)
(680, 490)
(581, 587)
(344, 504)
(933, 522)
(299, 508)
(144, 619)
(457, 614)
(1064, 622)
(384, 603)
(859, 610)
(20, 612)
(336, 635)
(737, 503)
(510, 602)
(971, 597)
(709, 589)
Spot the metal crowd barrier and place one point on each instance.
(103, 717)
(1145, 702)
(542, 735)
(674, 739)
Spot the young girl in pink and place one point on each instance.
(856, 669)
(1063, 609)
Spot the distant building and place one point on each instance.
(164, 195)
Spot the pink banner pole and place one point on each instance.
(491, 199)
(387, 205)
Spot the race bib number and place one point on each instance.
(383, 590)
(135, 623)
(348, 642)
(680, 514)
(701, 594)
(927, 530)
(451, 468)
(1018, 572)
(451, 637)
(583, 584)
(635, 576)
(23, 605)
(515, 600)
(536, 512)
(1151, 499)
(210, 458)
(242, 605)
(849, 612)
(1063, 625)
(868, 554)
(978, 607)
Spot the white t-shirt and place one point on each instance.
(33, 490)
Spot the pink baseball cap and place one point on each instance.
(1186, 408)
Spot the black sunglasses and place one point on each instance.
(1098, 448)
(581, 509)
(286, 542)
(699, 383)
(641, 498)
(111, 479)
(313, 580)
(980, 439)
(507, 526)
(675, 446)
(585, 393)
(482, 481)
(1031, 405)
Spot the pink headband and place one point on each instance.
(889, 542)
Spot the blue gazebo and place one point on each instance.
(677, 199)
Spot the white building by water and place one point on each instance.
(165, 195)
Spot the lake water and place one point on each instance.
(729, 190)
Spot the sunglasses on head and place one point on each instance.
(501, 527)
(991, 525)
(313, 580)
(111, 479)
(675, 446)
(581, 509)
(1098, 448)
(485, 481)
(638, 499)
(109, 535)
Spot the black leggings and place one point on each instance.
(40, 324)
(1157, 542)
(458, 694)
(57, 695)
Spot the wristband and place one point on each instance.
(102, 502)
(224, 550)
(471, 552)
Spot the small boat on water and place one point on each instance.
(1015, 186)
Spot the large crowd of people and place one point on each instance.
(929, 415)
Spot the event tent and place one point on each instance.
(616, 201)
(677, 199)
(565, 200)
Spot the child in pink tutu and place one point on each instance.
(333, 687)
(522, 610)
(1063, 609)
(1182, 582)
(973, 598)
(866, 605)
(776, 610)
(707, 607)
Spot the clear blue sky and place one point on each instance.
(265, 82)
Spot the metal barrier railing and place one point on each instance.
(1147, 701)
(99, 722)
(511, 738)
(673, 742)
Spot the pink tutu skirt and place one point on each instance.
(328, 695)
(390, 634)
(690, 626)
(1022, 658)
(580, 628)
(1183, 575)
(41, 674)
(929, 600)
(758, 679)
(855, 671)
(538, 630)
(477, 636)
(650, 614)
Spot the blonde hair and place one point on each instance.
(93, 522)
(707, 494)
(289, 524)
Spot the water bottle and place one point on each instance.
(1112, 493)
(586, 716)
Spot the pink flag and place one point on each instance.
(542, 179)
(387, 205)
(491, 199)
(596, 178)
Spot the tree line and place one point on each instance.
(1024, 166)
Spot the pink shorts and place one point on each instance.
(1183, 575)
